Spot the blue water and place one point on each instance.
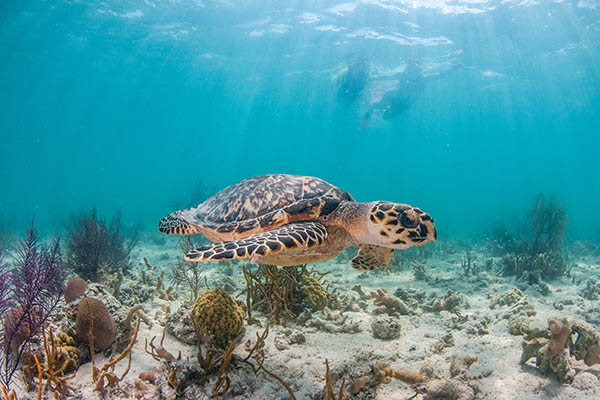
(127, 105)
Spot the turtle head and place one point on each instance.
(178, 223)
(399, 226)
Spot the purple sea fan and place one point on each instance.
(35, 284)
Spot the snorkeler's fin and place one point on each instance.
(372, 257)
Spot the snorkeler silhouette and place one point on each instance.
(352, 80)
(411, 84)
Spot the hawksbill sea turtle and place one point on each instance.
(290, 220)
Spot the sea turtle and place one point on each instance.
(290, 220)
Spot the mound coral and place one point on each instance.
(104, 328)
(75, 288)
(218, 314)
(20, 326)
(313, 291)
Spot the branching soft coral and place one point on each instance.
(548, 221)
(92, 243)
(29, 293)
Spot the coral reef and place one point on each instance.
(92, 243)
(92, 312)
(218, 314)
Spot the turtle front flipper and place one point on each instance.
(372, 257)
(294, 237)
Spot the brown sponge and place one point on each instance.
(104, 330)
(75, 288)
(560, 334)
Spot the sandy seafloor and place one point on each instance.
(426, 337)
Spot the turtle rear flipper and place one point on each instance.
(176, 224)
(296, 236)
(372, 257)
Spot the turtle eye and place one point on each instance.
(408, 219)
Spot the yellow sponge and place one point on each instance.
(216, 312)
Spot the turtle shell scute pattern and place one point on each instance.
(264, 202)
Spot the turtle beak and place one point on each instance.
(430, 226)
(433, 235)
